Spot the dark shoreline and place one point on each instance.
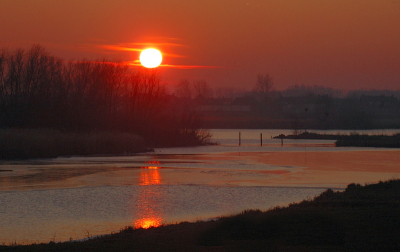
(354, 140)
(361, 218)
(23, 144)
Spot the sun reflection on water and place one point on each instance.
(149, 214)
(150, 175)
(148, 222)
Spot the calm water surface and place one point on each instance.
(73, 198)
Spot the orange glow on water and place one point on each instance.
(149, 176)
(152, 162)
(149, 214)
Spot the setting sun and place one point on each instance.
(150, 58)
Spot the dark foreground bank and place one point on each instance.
(362, 218)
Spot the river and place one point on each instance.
(71, 198)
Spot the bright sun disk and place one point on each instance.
(150, 58)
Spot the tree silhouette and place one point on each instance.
(263, 87)
(201, 88)
(184, 90)
(38, 90)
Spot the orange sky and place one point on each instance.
(349, 44)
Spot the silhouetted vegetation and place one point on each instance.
(370, 141)
(38, 90)
(310, 135)
(361, 218)
(357, 140)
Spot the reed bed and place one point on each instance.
(50, 143)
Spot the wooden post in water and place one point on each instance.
(281, 136)
(261, 138)
(239, 138)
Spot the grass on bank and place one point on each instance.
(49, 143)
(361, 218)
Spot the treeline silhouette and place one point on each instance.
(297, 107)
(38, 90)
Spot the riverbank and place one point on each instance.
(19, 144)
(392, 141)
(49, 143)
(361, 218)
(353, 140)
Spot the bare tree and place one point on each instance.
(201, 88)
(263, 87)
(3, 70)
(14, 78)
(145, 94)
(184, 90)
